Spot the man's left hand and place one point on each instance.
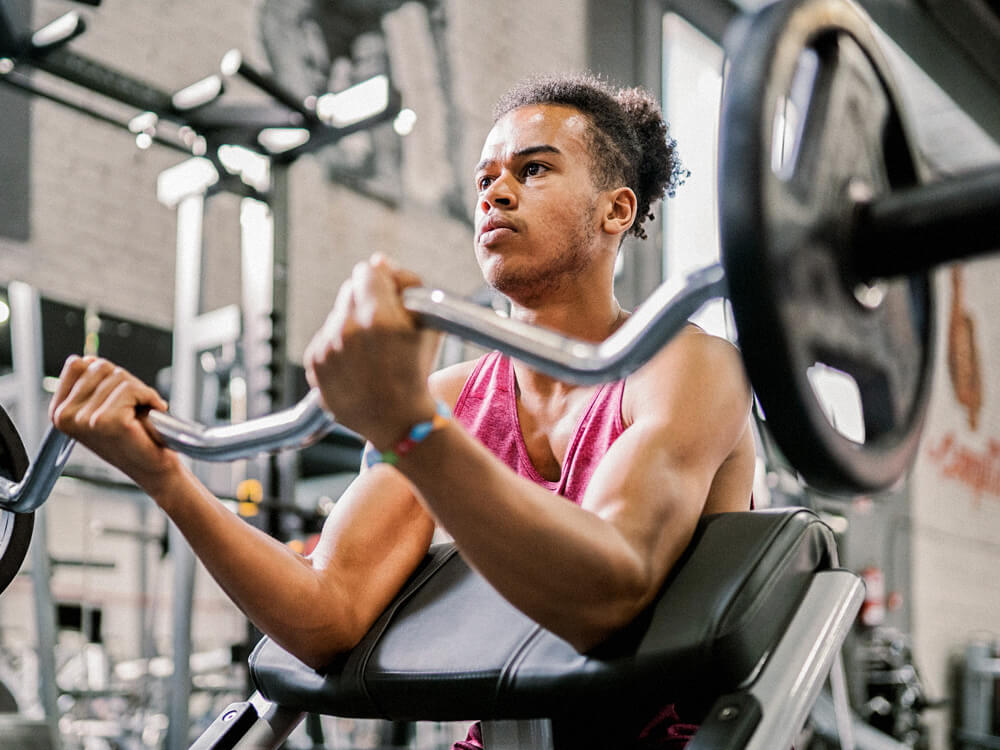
(370, 360)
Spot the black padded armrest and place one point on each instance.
(450, 648)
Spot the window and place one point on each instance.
(693, 70)
(692, 91)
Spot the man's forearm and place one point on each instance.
(276, 588)
(563, 566)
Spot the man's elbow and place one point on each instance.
(317, 656)
(607, 618)
(318, 645)
(589, 636)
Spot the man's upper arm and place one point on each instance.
(686, 411)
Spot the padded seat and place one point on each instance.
(450, 648)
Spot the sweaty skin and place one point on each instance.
(547, 237)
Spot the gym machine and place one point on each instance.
(978, 717)
(828, 230)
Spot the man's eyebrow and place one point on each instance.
(529, 151)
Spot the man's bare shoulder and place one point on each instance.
(447, 383)
(694, 366)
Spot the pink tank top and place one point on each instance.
(487, 408)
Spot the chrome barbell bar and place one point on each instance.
(647, 331)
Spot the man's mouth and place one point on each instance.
(494, 230)
(492, 236)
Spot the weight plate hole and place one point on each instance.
(870, 295)
(840, 399)
(790, 116)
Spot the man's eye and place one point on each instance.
(484, 182)
(533, 169)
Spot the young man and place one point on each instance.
(569, 168)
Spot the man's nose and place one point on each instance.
(498, 194)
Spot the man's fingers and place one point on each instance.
(83, 378)
(97, 397)
(339, 314)
(374, 292)
(118, 395)
(74, 368)
(155, 400)
(402, 277)
(379, 284)
(131, 394)
(90, 386)
(71, 370)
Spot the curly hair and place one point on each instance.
(629, 139)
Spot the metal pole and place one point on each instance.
(841, 706)
(26, 343)
(285, 464)
(183, 401)
(527, 734)
(146, 642)
(796, 669)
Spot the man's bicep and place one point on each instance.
(688, 412)
(649, 497)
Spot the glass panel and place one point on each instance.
(692, 90)
(693, 70)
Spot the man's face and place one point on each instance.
(537, 218)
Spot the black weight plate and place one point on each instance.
(811, 122)
(15, 528)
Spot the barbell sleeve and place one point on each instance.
(647, 331)
(914, 230)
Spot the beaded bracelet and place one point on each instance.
(417, 434)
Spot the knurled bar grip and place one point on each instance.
(657, 321)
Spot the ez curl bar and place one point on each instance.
(828, 232)
(642, 336)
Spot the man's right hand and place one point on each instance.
(102, 406)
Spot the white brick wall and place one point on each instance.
(100, 236)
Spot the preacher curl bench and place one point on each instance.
(749, 625)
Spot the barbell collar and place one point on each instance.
(911, 231)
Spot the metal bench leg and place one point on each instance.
(768, 713)
(254, 724)
(841, 705)
(526, 734)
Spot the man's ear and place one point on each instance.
(620, 212)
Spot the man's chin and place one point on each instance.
(522, 288)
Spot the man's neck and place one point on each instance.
(587, 318)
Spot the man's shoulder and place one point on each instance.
(693, 361)
(448, 382)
